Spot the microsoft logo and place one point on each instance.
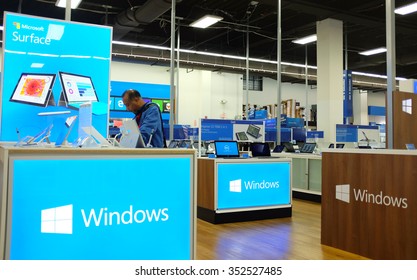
(16, 24)
(407, 106)
(57, 220)
(235, 185)
(343, 193)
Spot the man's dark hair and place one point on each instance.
(131, 94)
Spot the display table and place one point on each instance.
(306, 175)
(369, 202)
(99, 204)
(230, 190)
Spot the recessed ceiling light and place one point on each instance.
(407, 9)
(63, 3)
(206, 21)
(306, 40)
(373, 51)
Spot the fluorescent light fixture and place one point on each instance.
(206, 21)
(374, 51)
(306, 40)
(407, 9)
(1, 27)
(63, 3)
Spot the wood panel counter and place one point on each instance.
(369, 202)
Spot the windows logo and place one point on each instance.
(407, 106)
(235, 186)
(57, 220)
(343, 193)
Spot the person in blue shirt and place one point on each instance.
(147, 116)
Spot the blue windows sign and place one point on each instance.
(101, 209)
(246, 185)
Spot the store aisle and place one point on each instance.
(295, 238)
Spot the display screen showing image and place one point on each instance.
(159, 102)
(226, 149)
(253, 130)
(77, 88)
(34, 89)
(166, 106)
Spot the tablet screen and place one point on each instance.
(34, 89)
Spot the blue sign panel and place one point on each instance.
(315, 134)
(347, 94)
(67, 210)
(259, 184)
(50, 66)
(216, 129)
(346, 133)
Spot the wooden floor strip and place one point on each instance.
(295, 238)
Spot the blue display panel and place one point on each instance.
(217, 129)
(261, 184)
(157, 93)
(36, 51)
(66, 209)
(347, 94)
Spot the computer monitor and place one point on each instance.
(34, 89)
(260, 149)
(77, 88)
(226, 149)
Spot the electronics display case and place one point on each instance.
(55, 204)
(243, 189)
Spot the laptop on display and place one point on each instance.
(410, 146)
(278, 148)
(79, 89)
(254, 131)
(131, 136)
(260, 149)
(308, 148)
(241, 136)
(226, 149)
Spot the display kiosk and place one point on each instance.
(242, 189)
(97, 204)
(369, 202)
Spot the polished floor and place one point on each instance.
(294, 238)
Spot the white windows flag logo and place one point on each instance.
(235, 185)
(343, 193)
(408, 106)
(57, 220)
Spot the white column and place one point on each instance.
(329, 77)
(360, 107)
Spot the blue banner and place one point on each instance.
(49, 66)
(67, 210)
(347, 94)
(216, 129)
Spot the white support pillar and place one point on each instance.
(360, 107)
(329, 77)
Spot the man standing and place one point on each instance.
(147, 116)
